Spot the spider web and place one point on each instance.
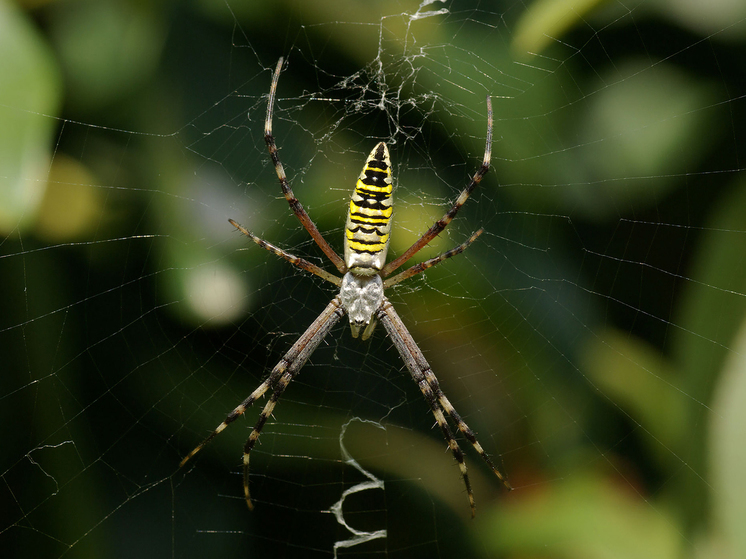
(591, 336)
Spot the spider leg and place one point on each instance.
(462, 426)
(420, 369)
(282, 384)
(295, 205)
(441, 224)
(421, 364)
(280, 376)
(237, 412)
(422, 266)
(301, 263)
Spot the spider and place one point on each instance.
(361, 291)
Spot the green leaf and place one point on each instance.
(728, 451)
(635, 376)
(29, 98)
(546, 20)
(586, 517)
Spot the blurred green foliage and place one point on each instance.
(593, 336)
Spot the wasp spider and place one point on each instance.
(361, 291)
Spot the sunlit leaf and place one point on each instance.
(29, 95)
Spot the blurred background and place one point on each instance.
(593, 336)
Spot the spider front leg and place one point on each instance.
(422, 374)
(462, 426)
(282, 384)
(237, 412)
(281, 375)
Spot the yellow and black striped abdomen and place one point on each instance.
(369, 219)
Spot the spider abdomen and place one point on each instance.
(369, 218)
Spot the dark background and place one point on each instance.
(591, 336)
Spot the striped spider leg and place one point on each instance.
(361, 292)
